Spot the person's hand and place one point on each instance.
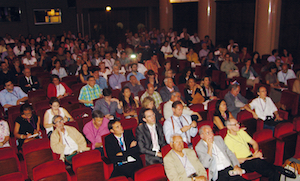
(258, 154)
(200, 178)
(185, 128)
(213, 98)
(209, 142)
(194, 124)
(254, 115)
(239, 170)
(28, 135)
(97, 145)
(66, 94)
(119, 154)
(159, 154)
(230, 70)
(1, 144)
(114, 100)
(28, 85)
(278, 118)
(18, 102)
(133, 144)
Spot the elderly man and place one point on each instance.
(66, 140)
(116, 78)
(122, 150)
(150, 137)
(89, 92)
(180, 52)
(28, 82)
(134, 72)
(152, 64)
(168, 89)
(109, 62)
(215, 155)
(182, 163)
(155, 95)
(237, 141)
(203, 52)
(181, 124)
(285, 74)
(176, 96)
(234, 100)
(11, 96)
(134, 85)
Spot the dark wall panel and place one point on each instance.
(235, 20)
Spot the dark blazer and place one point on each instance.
(143, 137)
(229, 99)
(112, 148)
(166, 94)
(23, 82)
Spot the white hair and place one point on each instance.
(174, 135)
(202, 128)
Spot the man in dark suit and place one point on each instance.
(150, 138)
(166, 91)
(122, 150)
(28, 82)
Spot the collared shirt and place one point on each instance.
(123, 141)
(272, 58)
(222, 161)
(11, 97)
(102, 83)
(182, 53)
(93, 134)
(179, 122)
(168, 110)
(238, 143)
(89, 93)
(189, 168)
(60, 90)
(30, 61)
(283, 77)
(109, 63)
(70, 144)
(155, 96)
(61, 73)
(170, 89)
(203, 53)
(116, 80)
(138, 76)
(152, 130)
(4, 131)
(263, 108)
(134, 89)
(151, 66)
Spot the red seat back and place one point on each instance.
(9, 161)
(290, 83)
(52, 170)
(16, 176)
(151, 172)
(291, 101)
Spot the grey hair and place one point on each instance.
(174, 93)
(55, 117)
(174, 135)
(227, 122)
(202, 128)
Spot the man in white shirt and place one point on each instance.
(109, 62)
(184, 32)
(180, 52)
(194, 38)
(264, 109)
(181, 124)
(285, 74)
(29, 61)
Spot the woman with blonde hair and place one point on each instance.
(149, 103)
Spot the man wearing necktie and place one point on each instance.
(122, 150)
(28, 82)
(150, 137)
(215, 155)
(181, 124)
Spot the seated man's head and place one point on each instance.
(177, 108)
(91, 81)
(262, 92)
(8, 85)
(27, 72)
(4, 66)
(167, 65)
(169, 73)
(206, 133)
(232, 125)
(151, 73)
(107, 94)
(148, 103)
(175, 96)
(285, 67)
(235, 89)
(278, 62)
(169, 82)
(97, 116)
(154, 57)
(28, 54)
(107, 56)
(275, 52)
(57, 64)
(58, 122)
(150, 89)
(115, 127)
(204, 46)
(133, 80)
(176, 142)
(60, 51)
(95, 73)
(134, 67)
(235, 48)
(149, 116)
(116, 69)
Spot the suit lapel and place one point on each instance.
(148, 134)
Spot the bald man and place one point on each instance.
(28, 82)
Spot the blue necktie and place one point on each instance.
(121, 144)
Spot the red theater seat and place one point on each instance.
(291, 101)
(88, 166)
(246, 119)
(290, 83)
(16, 176)
(9, 162)
(151, 172)
(52, 170)
(121, 178)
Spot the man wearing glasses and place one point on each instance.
(237, 141)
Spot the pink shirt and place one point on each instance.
(93, 134)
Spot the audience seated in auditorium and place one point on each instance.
(149, 103)
(278, 64)
(134, 72)
(89, 92)
(237, 141)
(180, 52)
(55, 109)
(109, 62)
(182, 163)
(11, 95)
(194, 38)
(75, 68)
(9, 57)
(152, 64)
(244, 55)
(95, 129)
(265, 109)
(6, 74)
(192, 56)
(168, 89)
(61, 55)
(215, 155)
(116, 78)
(235, 54)
(29, 61)
(150, 137)
(192, 92)
(234, 100)
(180, 123)
(296, 85)
(84, 73)
(207, 90)
(134, 85)
(274, 56)
(203, 52)
(45, 61)
(249, 73)
(185, 76)
(19, 49)
(27, 125)
(4, 134)
(122, 150)
(69, 60)
(28, 82)
(271, 79)
(221, 114)
(58, 89)
(58, 70)
(166, 50)
(101, 81)
(230, 46)
(167, 66)
(285, 74)
(124, 60)
(96, 59)
(104, 72)
(66, 141)
(287, 57)
(152, 79)
(128, 103)
(121, 68)
(153, 94)
(186, 42)
(108, 106)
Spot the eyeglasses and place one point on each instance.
(62, 120)
(236, 124)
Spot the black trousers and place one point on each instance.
(127, 169)
(224, 176)
(262, 167)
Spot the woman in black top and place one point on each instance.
(191, 89)
(221, 114)
(149, 103)
(208, 90)
(26, 125)
(186, 75)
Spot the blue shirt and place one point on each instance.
(102, 83)
(11, 97)
(116, 80)
(138, 76)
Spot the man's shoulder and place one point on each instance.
(227, 95)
